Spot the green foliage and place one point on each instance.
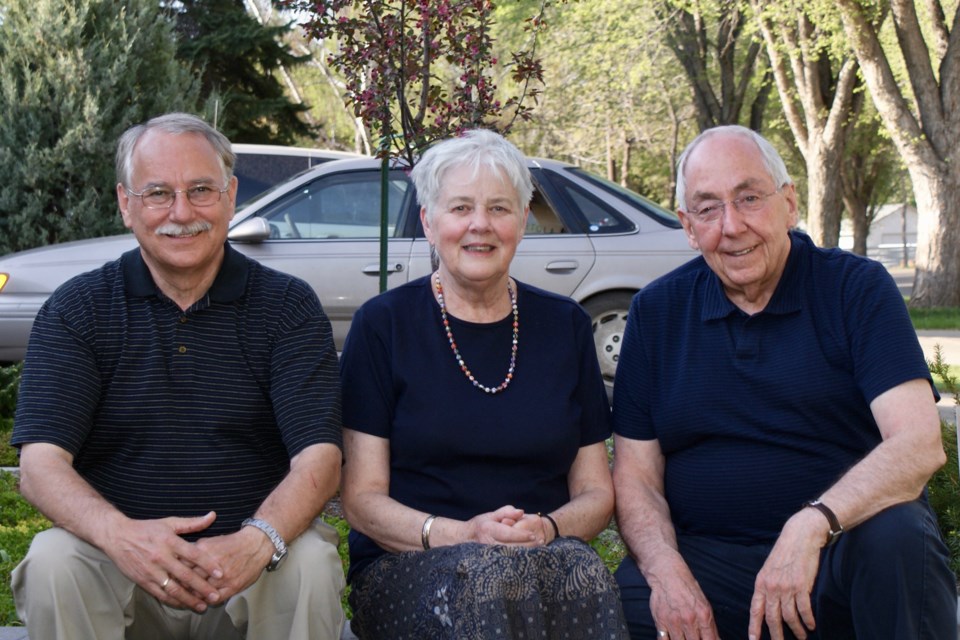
(944, 487)
(19, 522)
(240, 62)
(615, 98)
(343, 529)
(73, 75)
(415, 71)
(610, 547)
(9, 384)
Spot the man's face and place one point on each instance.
(747, 244)
(183, 237)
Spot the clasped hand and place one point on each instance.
(185, 574)
(508, 526)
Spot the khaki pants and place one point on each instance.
(67, 589)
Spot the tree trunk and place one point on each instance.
(817, 103)
(937, 279)
(611, 163)
(926, 132)
(824, 193)
(859, 218)
(625, 163)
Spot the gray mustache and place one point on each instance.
(174, 229)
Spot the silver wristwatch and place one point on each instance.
(275, 538)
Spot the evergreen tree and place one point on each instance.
(239, 59)
(73, 75)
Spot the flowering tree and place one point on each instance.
(420, 70)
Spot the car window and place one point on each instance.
(649, 207)
(256, 172)
(341, 205)
(543, 219)
(600, 217)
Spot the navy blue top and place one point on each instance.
(758, 414)
(172, 412)
(456, 451)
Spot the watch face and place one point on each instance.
(276, 560)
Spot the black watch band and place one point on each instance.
(835, 527)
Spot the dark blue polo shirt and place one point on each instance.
(171, 412)
(758, 414)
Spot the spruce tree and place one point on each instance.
(74, 74)
(239, 59)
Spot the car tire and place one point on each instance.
(608, 315)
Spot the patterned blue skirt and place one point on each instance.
(474, 592)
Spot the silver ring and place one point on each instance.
(164, 584)
(662, 634)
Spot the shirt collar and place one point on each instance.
(229, 285)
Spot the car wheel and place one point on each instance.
(608, 314)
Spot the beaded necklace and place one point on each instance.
(456, 352)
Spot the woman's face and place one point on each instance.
(476, 226)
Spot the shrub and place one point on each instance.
(944, 487)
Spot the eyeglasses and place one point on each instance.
(199, 195)
(747, 203)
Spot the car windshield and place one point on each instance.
(651, 208)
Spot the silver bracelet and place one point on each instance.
(425, 531)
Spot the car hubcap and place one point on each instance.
(608, 337)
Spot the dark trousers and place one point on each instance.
(889, 577)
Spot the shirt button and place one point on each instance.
(183, 319)
(182, 349)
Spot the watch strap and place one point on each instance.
(275, 538)
(835, 527)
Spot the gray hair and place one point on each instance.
(176, 124)
(474, 148)
(771, 159)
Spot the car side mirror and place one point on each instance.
(255, 229)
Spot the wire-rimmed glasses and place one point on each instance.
(199, 195)
(749, 202)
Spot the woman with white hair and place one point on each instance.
(475, 418)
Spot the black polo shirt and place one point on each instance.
(756, 414)
(170, 412)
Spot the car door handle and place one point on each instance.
(374, 269)
(562, 265)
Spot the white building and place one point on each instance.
(893, 231)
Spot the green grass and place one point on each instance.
(343, 529)
(935, 318)
(19, 522)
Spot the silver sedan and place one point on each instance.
(586, 238)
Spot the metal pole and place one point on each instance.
(384, 210)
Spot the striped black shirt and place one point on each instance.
(171, 412)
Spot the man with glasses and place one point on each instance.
(179, 423)
(775, 425)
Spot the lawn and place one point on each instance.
(936, 319)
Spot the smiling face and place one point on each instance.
(183, 240)
(476, 226)
(746, 249)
